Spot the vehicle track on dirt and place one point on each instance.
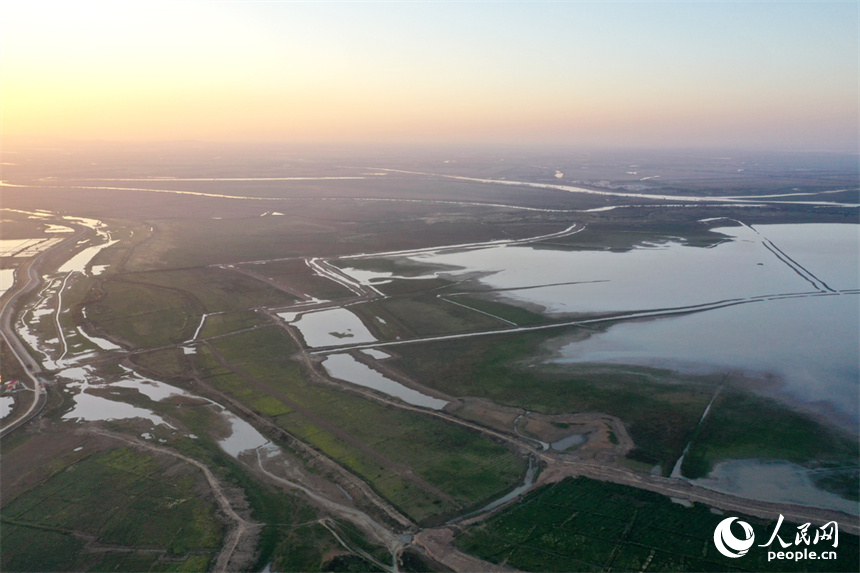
(241, 529)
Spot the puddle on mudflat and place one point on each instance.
(244, 436)
(7, 278)
(88, 407)
(568, 442)
(6, 403)
(374, 353)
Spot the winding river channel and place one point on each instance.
(777, 300)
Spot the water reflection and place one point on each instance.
(810, 343)
(347, 368)
(663, 275)
(332, 327)
(780, 482)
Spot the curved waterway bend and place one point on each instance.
(79, 379)
(345, 367)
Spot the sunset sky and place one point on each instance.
(750, 74)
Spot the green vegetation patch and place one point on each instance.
(180, 243)
(120, 498)
(428, 315)
(515, 314)
(144, 315)
(285, 541)
(380, 322)
(660, 408)
(313, 547)
(586, 525)
(166, 363)
(224, 323)
(218, 289)
(397, 287)
(741, 425)
(296, 274)
(388, 265)
(375, 441)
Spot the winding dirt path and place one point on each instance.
(242, 530)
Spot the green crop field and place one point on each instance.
(145, 315)
(371, 439)
(585, 525)
(216, 289)
(428, 315)
(121, 499)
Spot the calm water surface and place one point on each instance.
(810, 343)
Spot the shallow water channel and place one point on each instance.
(345, 367)
(794, 319)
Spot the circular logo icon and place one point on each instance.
(727, 543)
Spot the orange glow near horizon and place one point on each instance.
(387, 73)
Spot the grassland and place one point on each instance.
(660, 408)
(159, 308)
(428, 315)
(741, 426)
(159, 284)
(292, 538)
(146, 516)
(323, 229)
(194, 242)
(455, 468)
(144, 315)
(414, 316)
(298, 275)
(216, 289)
(484, 303)
(224, 323)
(166, 364)
(585, 525)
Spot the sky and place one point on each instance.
(780, 75)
